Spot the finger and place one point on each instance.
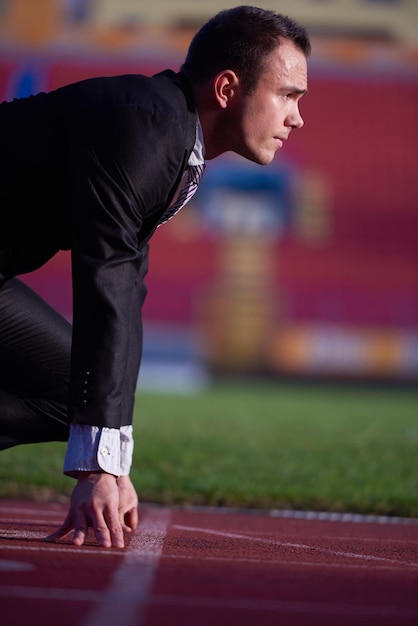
(80, 525)
(130, 521)
(114, 530)
(102, 532)
(80, 534)
(58, 534)
(64, 530)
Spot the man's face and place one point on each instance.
(263, 119)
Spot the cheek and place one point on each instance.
(272, 114)
(258, 119)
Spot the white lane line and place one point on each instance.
(33, 535)
(133, 580)
(301, 546)
(42, 510)
(184, 557)
(356, 518)
(50, 547)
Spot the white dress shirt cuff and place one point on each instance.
(93, 449)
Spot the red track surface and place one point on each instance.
(205, 568)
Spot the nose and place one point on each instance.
(294, 119)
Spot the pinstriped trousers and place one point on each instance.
(35, 346)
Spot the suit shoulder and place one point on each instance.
(122, 90)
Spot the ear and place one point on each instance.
(225, 87)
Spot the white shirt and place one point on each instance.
(95, 448)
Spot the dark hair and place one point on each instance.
(240, 39)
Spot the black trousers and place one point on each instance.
(35, 346)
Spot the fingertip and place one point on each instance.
(134, 526)
(78, 541)
(116, 538)
(118, 542)
(79, 537)
(131, 521)
(103, 539)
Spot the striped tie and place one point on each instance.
(194, 174)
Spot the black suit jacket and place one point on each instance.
(91, 167)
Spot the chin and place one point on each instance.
(260, 159)
(263, 156)
(263, 159)
(267, 160)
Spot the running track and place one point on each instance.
(210, 568)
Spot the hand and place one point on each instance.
(100, 501)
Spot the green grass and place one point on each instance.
(258, 445)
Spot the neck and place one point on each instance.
(210, 118)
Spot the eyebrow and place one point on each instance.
(295, 90)
(299, 91)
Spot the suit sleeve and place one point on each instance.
(123, 172)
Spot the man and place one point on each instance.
(96, 167)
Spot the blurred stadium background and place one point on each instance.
(305, 268)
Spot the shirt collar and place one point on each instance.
(197, 156)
